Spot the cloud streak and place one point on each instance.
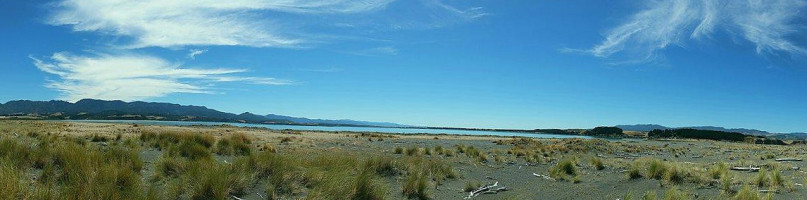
(194, 25)
(158, 23)
(767, 24)
(133, 77)
(255, 23)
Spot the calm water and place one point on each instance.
(341, 128)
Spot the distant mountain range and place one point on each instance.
(649, 127)
(138, 110)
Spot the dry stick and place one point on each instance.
(544, 176)
(481, 190)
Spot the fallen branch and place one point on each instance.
(749, 169)
(788, 159)
(544, 176)
(481, 190)
(497, 190)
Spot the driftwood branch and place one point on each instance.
(486, 189)
(748, 169)
(788, 159)
(544, 176)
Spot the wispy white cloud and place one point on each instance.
(195, 52)
(197, 22)
(133, 77)
(256, 23)
(767, 24)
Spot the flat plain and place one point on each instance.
(77, 160)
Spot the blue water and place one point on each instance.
(341, 128)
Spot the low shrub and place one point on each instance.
(415, 186)
(656, 169)
(472, 185)
(564, 169)
(597, 163)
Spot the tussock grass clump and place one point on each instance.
(384, 166)
(747, 193)
(367, 187)
(718, 170)
(399, 150)
(597, 163)
(726, 183)
(120, 156)
(776, 179)
(635, 171)
(438, 150)
(460, 149)
(236, 144)
(761, 179)
(286, 140)
(415, 186)
(268, 148)
(169, 166)
(98, 138)
(191, 150)
(675, 194)
(565, 169)
(674, 175)
(656, 169)
(472, 185)
(412, 151)
(448, 153)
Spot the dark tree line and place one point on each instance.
(697, 134)
(605, 131)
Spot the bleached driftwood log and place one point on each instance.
(487, 189)
(544, 176)
(788, 159)
(748, 169)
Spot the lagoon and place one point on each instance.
(342, 128)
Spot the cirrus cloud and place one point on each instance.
(255, 23)
(768, 25)
(134, 77)
(195, 22)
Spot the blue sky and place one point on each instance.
(491, 64)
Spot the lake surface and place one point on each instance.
(341, 128)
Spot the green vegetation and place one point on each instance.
(605, 131)
(472, 185)
(597, 163)
(564, 170)
(235, 144)
(51, 167)
(697, 134)
(656, 169)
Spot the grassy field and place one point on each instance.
(70, 160)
